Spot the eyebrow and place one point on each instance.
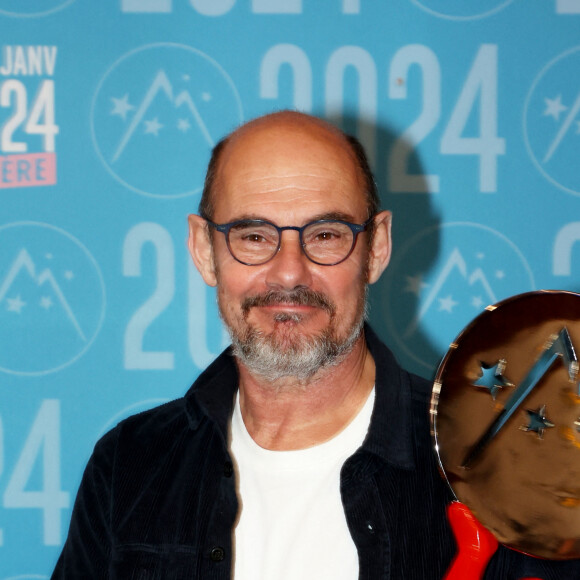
(335, 215)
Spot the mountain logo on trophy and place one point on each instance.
(51, 299)
(157, 113)
(432, 297)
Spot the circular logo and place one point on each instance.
(429, 303)
(31, 8)
(552, 121)
(462, 9)
(52, 298)
(156, 115)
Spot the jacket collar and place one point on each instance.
(390, 435)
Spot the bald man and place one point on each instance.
(303, 451)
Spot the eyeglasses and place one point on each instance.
(324, 242)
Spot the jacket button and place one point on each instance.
(228, 469)
(217, 554)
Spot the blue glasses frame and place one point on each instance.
(226, 228)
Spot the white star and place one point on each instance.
(49, 256)
(206, 96)
(183, 125)
(477, 302)
(447, 304)
(480, 255)
(500, 274)
(185, 77)
(121, 107)
(153, 127)
(15, 304)
(69, 275)
(554, 107)
(415, 284)
(46, 302)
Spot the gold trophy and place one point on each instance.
(505, 417)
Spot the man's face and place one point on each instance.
(283, 311)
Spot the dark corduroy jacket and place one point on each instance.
(158, 498)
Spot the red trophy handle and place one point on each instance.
(476, 545)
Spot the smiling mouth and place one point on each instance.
(289, 303)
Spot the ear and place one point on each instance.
(200, 248)
(380, 253)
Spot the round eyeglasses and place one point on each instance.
(324, 242)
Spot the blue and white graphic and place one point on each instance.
(31, 8)
(462, 9)
(475, 267)
(157, 113)
(52, 298)
(552, 121)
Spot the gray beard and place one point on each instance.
(301, 357)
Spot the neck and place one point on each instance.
(291, 414)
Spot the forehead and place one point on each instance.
(289, 172)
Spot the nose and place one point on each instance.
(290, 267)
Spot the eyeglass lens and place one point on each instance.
(324, 242)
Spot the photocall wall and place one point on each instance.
(470, 113)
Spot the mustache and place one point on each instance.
(298, 297)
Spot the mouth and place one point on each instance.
(289, 305)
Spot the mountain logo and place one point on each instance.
(462, 9)
(552, 121)
(157, 113)
(32, 8)
(52, 298)
(430, 303)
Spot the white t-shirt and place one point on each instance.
(292, 524)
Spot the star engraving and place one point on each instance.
(537, 421)
(492, 378)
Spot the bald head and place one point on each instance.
(289, 128)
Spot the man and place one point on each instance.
(304, 450)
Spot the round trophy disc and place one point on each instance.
(505, 416)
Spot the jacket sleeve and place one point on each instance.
(87, 550)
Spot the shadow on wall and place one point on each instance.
(394, 307)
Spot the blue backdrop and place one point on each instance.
(470, 112)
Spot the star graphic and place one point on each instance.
(185, 77)
(480, 255)
(500, 274)
(206, 96)
(49, 256)
(492, 378)
(554, 107)
(183, 125)
(69, 275)
(153, 127)
(537, 421)
(121, 107)
(415, 284)
(15, 304)
(477, 302)
(447, 304)
(46, 302)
